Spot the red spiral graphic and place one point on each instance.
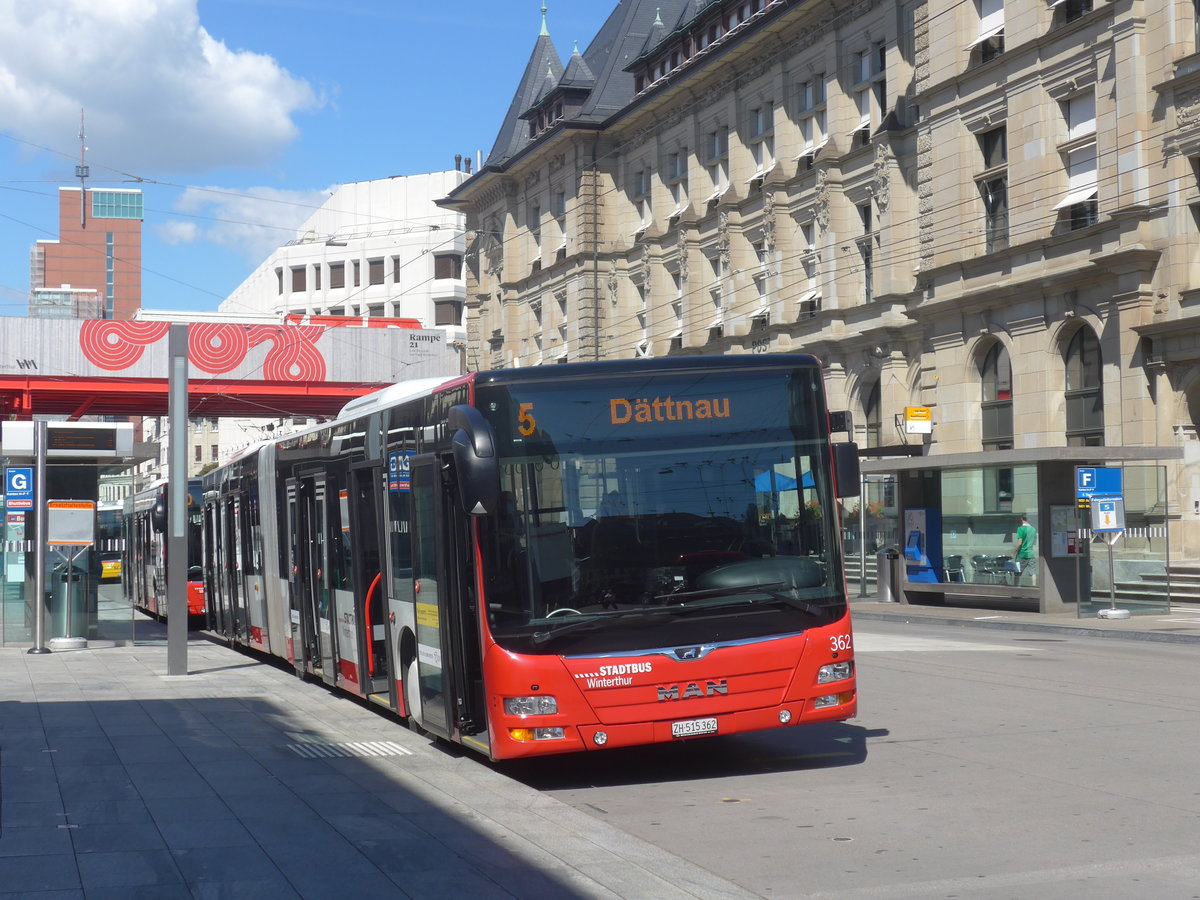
(293, 355)
(216, 348)
(118, 345)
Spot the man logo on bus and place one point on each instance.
(692, 689)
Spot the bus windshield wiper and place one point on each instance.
(592, 618)
(777, 590)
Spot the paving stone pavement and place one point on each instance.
(241, 780)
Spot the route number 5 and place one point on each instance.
(526, 424)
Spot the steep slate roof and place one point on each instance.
(578, 75)
(514, 133)
(621, 40)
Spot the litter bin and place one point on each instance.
(68, 602)
(887, 576)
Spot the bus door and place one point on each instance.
(214, 570)
(307, 522)
(299, 639)
(449, 664)
(364, 522)
(234, 612)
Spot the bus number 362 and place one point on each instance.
(839, 642)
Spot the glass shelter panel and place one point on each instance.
(1141, 556)
(981, 516)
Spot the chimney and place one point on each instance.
(468, 169)
(457, 162)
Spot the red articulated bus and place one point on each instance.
(555, 559)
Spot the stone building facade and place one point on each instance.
(989, 209)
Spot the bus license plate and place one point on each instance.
(693, 727)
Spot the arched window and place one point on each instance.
(996, 411)
(872, 416)
(1085, 392)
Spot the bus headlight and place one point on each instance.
(537, 705)
(537, 734)
(838, 671)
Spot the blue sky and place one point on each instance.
(238, 116)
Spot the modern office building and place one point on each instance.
(378, 249)
(982, 216)
(94, 269)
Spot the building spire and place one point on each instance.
(545, 31)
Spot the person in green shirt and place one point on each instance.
(1023, 550)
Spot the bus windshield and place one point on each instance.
(645, 512)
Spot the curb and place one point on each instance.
(1042, 627)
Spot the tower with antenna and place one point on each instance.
(94, 269)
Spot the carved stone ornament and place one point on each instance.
(723, 240)
(768, 222)
(532, 178)
(683, 257)
(882, 186)
(821, 213)
(612, 284)
(557, 162)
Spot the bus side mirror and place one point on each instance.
(845, 466)
(158, 514)
(474, 447)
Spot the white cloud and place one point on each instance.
(252, 222)
(160, 93)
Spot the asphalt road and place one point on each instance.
(982, 765)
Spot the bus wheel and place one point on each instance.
(412, 697)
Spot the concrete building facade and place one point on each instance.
(374, 249)
(985, 209)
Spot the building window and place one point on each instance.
(1079, 209)
(639, 192)
(870, 91)
(993, 187)
(215, 452)
(395, 270)
(357, 266)
(337, 275)
(677, 179)
(447, 265)
(558, 206)
(990, 42)
(374, 271)
(279, 279)
(996, 410)
(1070, 10)
(198, 453)
(872, 416)
(316, 276)
(116, 204)
(298, 279)
(993, 145)
(994, 192)
(716, 160)
(866, 250)
(811, 116)
(762, 138)
(447, 312)
(1084, 396)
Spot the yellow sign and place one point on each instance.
(918, 420)
(427, 614)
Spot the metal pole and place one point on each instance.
(177, 479)
(862, 537)
(39, 543)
